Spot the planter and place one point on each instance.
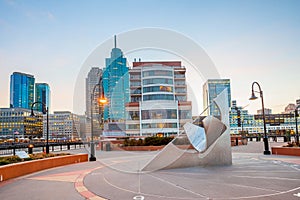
(27, 167)
(290, 151)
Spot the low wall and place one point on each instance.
(27, 167)
(290, 151)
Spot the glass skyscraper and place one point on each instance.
(211, 89)
(42, 94)
(21, 90)
(116, 85)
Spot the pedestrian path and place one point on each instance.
(116, 175)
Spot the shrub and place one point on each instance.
(14, 159)
(292, 144)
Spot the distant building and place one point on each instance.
(17, 122)
(85, 127)
(158, 94)
(211, 89)
(116, 85)
(276, 124)
(42, 94)
(289, 108)
(63, 125)
(268, 111)
(91, 81)
(238, 116)
(298, 102)
(21, 90)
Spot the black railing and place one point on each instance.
(8, 148)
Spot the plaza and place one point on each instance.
(117, 175)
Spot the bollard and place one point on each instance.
(30, 148)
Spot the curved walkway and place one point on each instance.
(116, 175)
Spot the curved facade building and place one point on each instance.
(159, 103)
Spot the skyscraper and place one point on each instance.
(42, 94)
(91, 81)
(21, 90)
(211, 89)
(116, 85)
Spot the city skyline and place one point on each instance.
(247, 41)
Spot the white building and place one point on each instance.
(159, 103)
(63, 125)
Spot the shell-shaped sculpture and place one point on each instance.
(211, 143)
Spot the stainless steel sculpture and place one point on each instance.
(211, 144)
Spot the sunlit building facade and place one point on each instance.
(17, 122)
(63, 125)
(159, 103)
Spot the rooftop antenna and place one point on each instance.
(115, 41)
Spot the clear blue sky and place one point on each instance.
(247, 40)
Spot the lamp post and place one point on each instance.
(253, 97)
(102, 101)
(47, 112)
(296, 123)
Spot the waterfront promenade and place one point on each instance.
(116, 175)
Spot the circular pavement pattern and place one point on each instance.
(117, 176)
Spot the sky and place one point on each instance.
(249, 40)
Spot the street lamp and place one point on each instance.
(44, 112)
(296, 116)
(253, 97)
(102, 101)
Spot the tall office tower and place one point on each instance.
(91, 81)
(116, 85)
(42, 94)
(211, 89)
(159, 103)
(21, 90)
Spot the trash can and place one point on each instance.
(108, 147)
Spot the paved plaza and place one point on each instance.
(116, 175)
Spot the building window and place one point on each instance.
(159, 114)
(185, 114)
(132, 115)
(157, 81)
(158, 89)
(159, 125)
(157, 73)
(158, 97)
